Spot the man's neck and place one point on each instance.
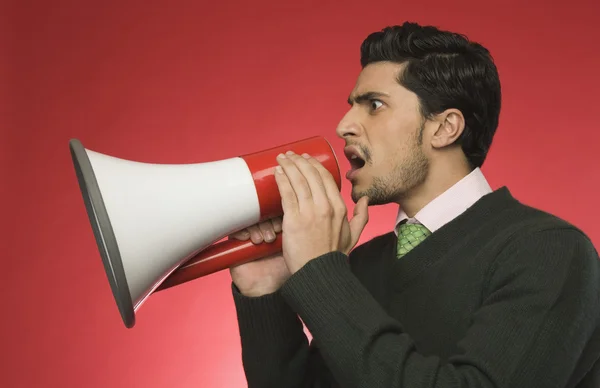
(437, 182)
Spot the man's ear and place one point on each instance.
(451, 124)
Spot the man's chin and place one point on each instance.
(375, 196)
(357, 194)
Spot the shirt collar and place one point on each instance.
(451, 203)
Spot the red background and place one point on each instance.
(182, 82)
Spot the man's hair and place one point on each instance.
(445, 70)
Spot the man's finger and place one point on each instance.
(241, 235)
(276, 224)
(289, 201)
(267, 231)
(255, 234)
(331, 188)
(314, 180)
(359, 219)
(295, 179)
(326, 177)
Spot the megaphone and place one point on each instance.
(159, 225)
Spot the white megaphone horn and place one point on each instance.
(156, 225)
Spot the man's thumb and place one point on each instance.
(360, 218)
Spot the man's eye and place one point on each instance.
(375, 104)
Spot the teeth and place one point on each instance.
(354, 157)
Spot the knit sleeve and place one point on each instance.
(541, 307)
(274, 346)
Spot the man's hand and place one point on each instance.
(266, 275)
(315, 216)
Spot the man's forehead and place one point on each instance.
(377, 77)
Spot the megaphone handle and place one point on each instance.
(220, 256)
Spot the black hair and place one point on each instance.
(445, 70)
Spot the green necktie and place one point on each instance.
(409, 236)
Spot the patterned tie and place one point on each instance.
(409, 236)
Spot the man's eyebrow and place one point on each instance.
(365, 97)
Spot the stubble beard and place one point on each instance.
(408, 174)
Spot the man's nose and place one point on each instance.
(348, 127)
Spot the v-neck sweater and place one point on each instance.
(504, 295)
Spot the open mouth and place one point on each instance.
(356, 161)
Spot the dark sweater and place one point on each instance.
(502, 296)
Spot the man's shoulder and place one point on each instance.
(535, 219)
(525, 223)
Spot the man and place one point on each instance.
(470, 289)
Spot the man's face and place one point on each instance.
(383, 136)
